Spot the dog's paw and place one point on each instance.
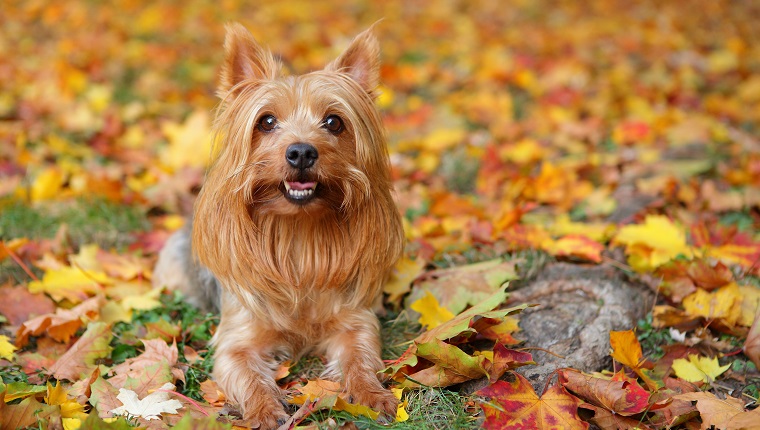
(380, 400)
(265, 411)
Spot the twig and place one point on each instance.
(19, 262)
(188, 399)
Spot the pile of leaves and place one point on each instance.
(612, 133)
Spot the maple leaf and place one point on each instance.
(577, 246)
(719, 412)
(406, 271)
(719, 304)
(698, 369)
(609, 420)
(190, 143)
(19, 390)
(626, 349)
(57, 395)
(432, 314)
(18, 304)
(457, 287)
(71, 283)
(151, 407)
(6, 348)
(514, 405)
(80, 358)
(751, 346)
(62, 324)
(157, 358)
(504, 359)
(653, 243)
(451, 365)
(24, 414)
(103, 397)
(619, 395)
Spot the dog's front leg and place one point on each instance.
(353, 352)
(244, 365)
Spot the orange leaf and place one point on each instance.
(514, 405)
(627, 351)
(575, 245)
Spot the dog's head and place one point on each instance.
(298, 145)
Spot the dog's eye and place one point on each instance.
(267, 123)
(333, 124)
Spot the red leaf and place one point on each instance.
(621, 395)
(514, 405)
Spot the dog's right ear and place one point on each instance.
(244, 59)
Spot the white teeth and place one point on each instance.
(300, 193)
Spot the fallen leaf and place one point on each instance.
(457, 287)
(24, 414)
(653, 243)
(515, 405)
(151, 407)
(79, 360)
(103, 397)
(698, 369)
(712, 410)
(62, 324)
(18, 304)
(751, 346)
(57, 395)
(6, 348)
(619, 395)
(626, 349)
(431, 313)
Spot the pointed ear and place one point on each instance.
(244, 59)
(361, 61)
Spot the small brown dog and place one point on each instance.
(295, 228)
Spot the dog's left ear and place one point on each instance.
(361, 61)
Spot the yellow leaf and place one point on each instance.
(401, 414)
(113, 312)
(441, 139)
(190, 143)
(697, 368)
(47, 184)
(653, 243)
(750, 303)
(72, 423)
(403, 274)
(432, 314)
(58, 396)
(6, 348)
(599, 232)
(143, 302)
(723, 303)
(523, 152)
(71, 283)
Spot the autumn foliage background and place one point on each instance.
(600, 132)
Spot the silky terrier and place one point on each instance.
(295, 229)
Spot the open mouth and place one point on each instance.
(300, 192)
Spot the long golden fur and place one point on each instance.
(297, 277)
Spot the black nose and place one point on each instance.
(301, 155)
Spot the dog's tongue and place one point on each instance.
(301, 185)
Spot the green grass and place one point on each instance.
(428, 409)
(86, 221)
